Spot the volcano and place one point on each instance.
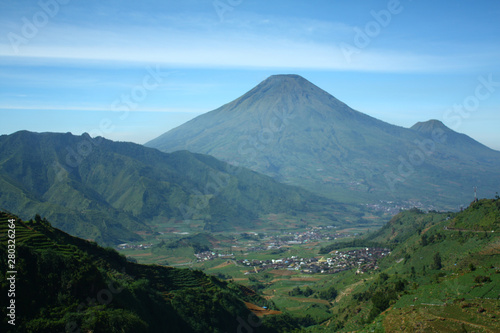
(290, 129)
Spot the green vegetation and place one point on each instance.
(66, 283)
(359, 242)
(298, 292)
(442, 274)
(200, 242)
(329, 294)
(483, 215)
(438, 277)
(118, 192)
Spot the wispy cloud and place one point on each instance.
(253, 42)
(7, 108)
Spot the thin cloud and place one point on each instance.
(12, 108)
(265, 45)
(237, 54)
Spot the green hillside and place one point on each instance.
(443, 274)
(185, 247)
(482, 216)
(66, 284)
(113, 192)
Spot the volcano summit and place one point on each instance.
(290, 129)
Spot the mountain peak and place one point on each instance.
(285, 82)
(436, 128)
(288, 128)
(429, 126)
(281, 77)
(291, 91)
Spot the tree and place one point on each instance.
(424, 240)
(400, 285)
(383, 277)
(328, 294)
(437, 261)
(295, 292)
(253, 278)
(308, 292)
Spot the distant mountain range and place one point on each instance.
(288, 128)
(112, 192)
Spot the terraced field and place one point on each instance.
(27, 234)
(63, 280)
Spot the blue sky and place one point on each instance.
(131, 70)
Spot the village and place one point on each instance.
(274, 246)
(255, 242)
(126, 246)
(392, 208)
(363, 260)
(276, 242)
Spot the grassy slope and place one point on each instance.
(412, 292)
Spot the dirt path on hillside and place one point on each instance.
(462, 322)
(224, 264)
(260, 311)
(347, 291)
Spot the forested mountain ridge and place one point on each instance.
(111, 191)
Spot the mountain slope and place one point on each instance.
(442, 275)
(461, 144)
(288, 128)
(64, 284)
(109, 191)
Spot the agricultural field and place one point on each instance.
(273, 283)
(421, 271)
(441, 270)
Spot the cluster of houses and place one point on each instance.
(392, 207)
(126, 246)
(209, 255)
(315, 234)
(363, 260)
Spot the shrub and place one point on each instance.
(482, 279)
